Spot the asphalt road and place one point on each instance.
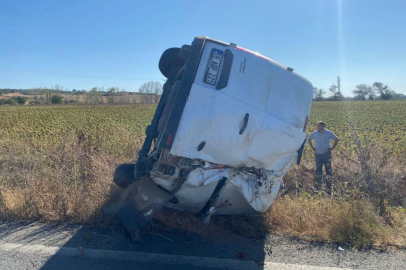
(54, 246)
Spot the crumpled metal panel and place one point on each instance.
(258, 191)
(136, 205)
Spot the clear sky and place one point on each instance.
(84, 44)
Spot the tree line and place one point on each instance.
(151, 91)
(148, 92)
(377, 90)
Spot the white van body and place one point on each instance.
(229, 125)
(277, 101)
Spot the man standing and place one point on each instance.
(322, 151)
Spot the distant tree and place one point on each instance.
(125, 98)
(78, 92)
(335, 94)
(151, 91)
(94, 97)
(315, 89)
(48, 96)
(58, 88)
(363, 92)
(11, 101)
(399, 96)
(383, 90)
(21, 100)
(57, 99)
(112, 94)
(318, 93)
(157, 91)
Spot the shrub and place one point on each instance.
(21, 100)
(11, 101)
(57, 99)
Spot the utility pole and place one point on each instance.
(338, 84)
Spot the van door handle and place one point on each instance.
(226, 70)
(244, 124)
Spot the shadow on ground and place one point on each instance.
(79, 241)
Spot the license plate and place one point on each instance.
(213, 66)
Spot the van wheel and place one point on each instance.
(124, 175)
(170, 59)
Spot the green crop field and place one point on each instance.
(373, 123)
(110, 128)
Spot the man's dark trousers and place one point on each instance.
(323, 159)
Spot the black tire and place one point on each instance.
(169, 59)
(124, 175)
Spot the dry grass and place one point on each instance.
(70, 183)
(365, 209)
(354, 222)
(66, 184)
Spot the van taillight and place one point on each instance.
(169, 140)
